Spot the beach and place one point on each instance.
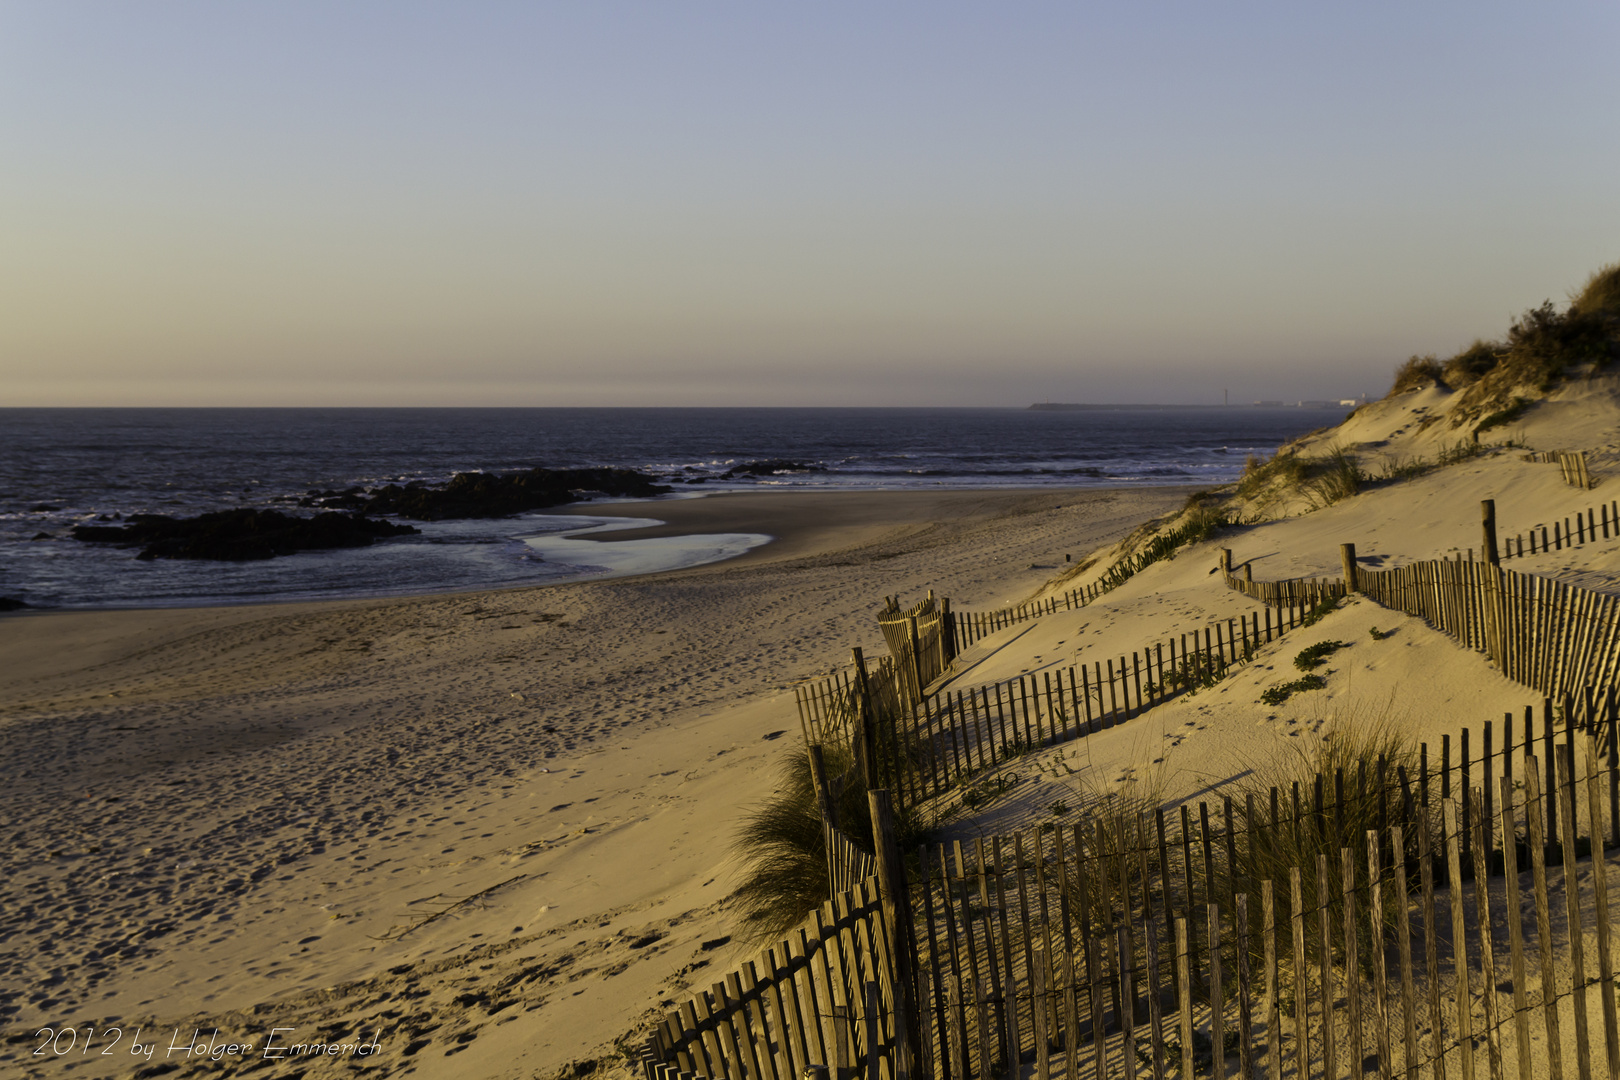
(242, 818)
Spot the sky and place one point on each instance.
(612, 203)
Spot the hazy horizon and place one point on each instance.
(620, 204)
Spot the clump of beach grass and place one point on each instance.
(1320, 481)
(1111, 829)
(1350, 743)
(781, 843)
(1332, 478)
(1417, 373)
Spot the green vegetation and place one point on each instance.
(1320, 610)
(1313, 656)
(1470, 365)
(1502, 417)
(1416, 373)
(1379, 635)
(1320, 481)
(1354, 743)
(1332, 478)
(1601, 294)
(1285, 470)
(782, 846)
(1276, 695)
(1543, 346)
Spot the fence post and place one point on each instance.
(891, 875)
(1487, 511)
(1347, 556)
(947, 629)
(864, 743)
(916, 657)
(1226, 562)
(818, 778)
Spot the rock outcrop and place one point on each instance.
(240, 535)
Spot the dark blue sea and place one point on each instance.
(62, 467)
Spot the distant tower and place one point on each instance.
(1226, 397)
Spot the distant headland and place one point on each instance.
(1076, 406)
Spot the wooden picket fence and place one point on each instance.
(822, 996)
(847, 863)
(1557, 638)
(940, 744)
(1093, 950)
(1372, 920)
(919, 640)
(971, 626)
(1573, 465)
(1586, 527)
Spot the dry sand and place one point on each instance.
(229, 818)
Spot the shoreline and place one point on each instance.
(799, 522)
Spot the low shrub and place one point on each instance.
(1502, 417)
(1472, 364)
(783, 849)
(1313, 656)
(1320, 610)
(1416, 373)
(1276, 695)
(1601, 294)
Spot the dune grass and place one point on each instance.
(1320, 481)
(781, 845)
(1416, 373)
(1352, 742)
(1600, 294)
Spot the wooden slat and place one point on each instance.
(1356, 1048)
(1515, 921)
(1375, 915)
(1459, 940)
(1487, 953)
(1403, 927)
(1273, 1011)
(1184, 985)
(1573, 930)
(1301, 1000)
(1600, 895)
(1538, 867)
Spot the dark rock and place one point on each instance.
(351, 499)
(491, 495)
(11, 603)
(42, 536)
(240, 535)
(44, 508)
(770, 467)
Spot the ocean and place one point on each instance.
(62, 467)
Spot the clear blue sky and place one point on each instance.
(829, 203)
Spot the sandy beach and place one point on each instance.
(244, 818)
(490, 832)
